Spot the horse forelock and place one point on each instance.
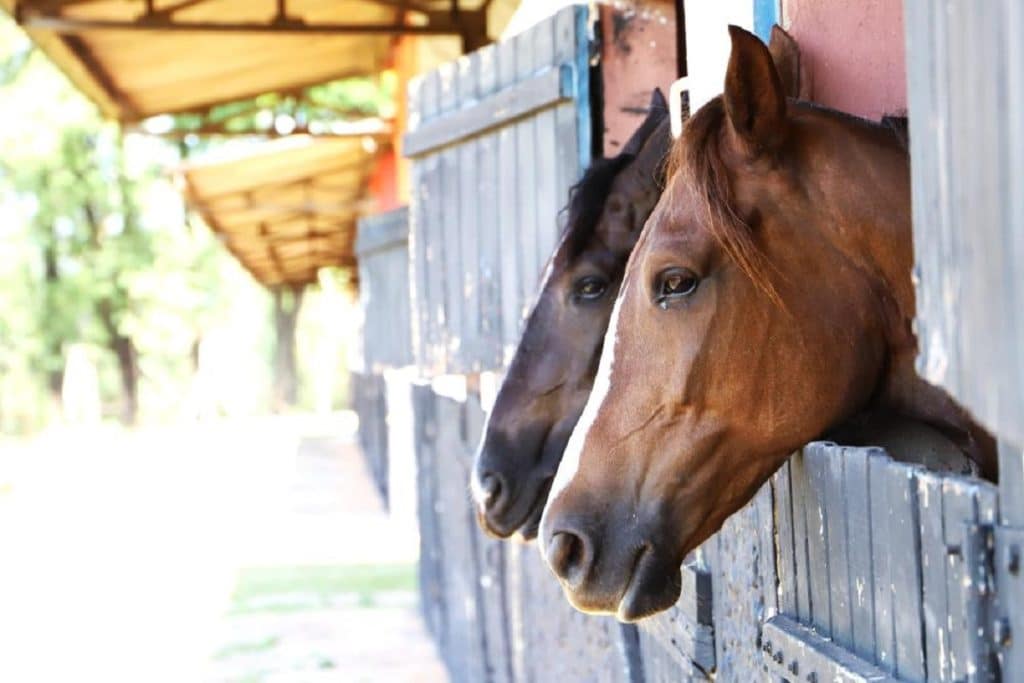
(696, 157)
(587, 199)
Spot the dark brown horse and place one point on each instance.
(550, 376)
(767, 302)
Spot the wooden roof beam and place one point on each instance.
(214, 130)
(439, 24)
(296, 209)
(274, 185)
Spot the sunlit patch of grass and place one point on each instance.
(247, 648)
(293, 589)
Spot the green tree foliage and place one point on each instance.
(99, 251)
(98, 248)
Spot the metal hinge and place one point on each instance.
(979, 589)
(995, 590)
(1007, 631)
(799, 654)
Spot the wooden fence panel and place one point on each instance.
(464, 646)
(370, 402)
(861, 578)
(382, 248)
(431, 562)
(493, 161)
(488, 333)
(895, 576)
(741, 561)
(495, 609)
(965, 69)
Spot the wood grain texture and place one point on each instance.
(967, 143)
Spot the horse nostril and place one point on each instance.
(568, 557)
(490, 488)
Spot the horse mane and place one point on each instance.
(696, 154)
(900, 126)
(587, 198)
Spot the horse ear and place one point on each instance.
(657, 110)
(755, 101)
(658, 101)
(786, 55)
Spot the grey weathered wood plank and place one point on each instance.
(564, 26)
(968, 150)
(417, 235)
(469, 226)
(532, 94)
(489, 265)
(434, 238)
(881, 549)
(836, 511)
(549, 196)
(816, 461)
(861, 577)
(1011, 484)
(905, 571)
(449, 245)
(785, 553)
(794, 646)
(526, 160)
(767, 563)
(386, 289)
(958, 511)
(515, 599)
(508, 209)
(431, 556)
(451, 263)
(430, 197)
(685, 633)
(382, 231)
(802, 575)
(491, 564)
(933, 575)
(567, 115)
(739, 601)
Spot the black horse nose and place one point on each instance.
(492, 486)
(570, 554)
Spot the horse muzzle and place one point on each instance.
(625, 573)
(505, 505)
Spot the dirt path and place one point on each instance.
(246, 552)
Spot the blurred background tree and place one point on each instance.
(101, 256)
(91, 224)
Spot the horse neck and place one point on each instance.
(871, 219)
(876, 233)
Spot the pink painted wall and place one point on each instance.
(854, 52)
(638, 54)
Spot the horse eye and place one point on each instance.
(673, 285)
(589, 288)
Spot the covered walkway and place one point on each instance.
(247, 551)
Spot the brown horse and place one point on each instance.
(767, 302)
(553, 368)
(551, 373)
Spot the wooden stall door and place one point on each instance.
(496, 140)
(966, 73)
(876, 569)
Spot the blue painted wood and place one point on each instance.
(766, 14)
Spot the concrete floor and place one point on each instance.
(121, 555)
